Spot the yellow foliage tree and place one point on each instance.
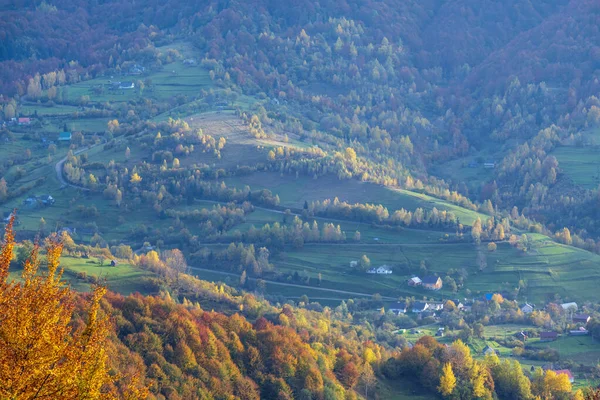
(555, 383)
(447, 381)
(135, 178)
(41, 354)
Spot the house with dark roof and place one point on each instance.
(579, 332)
(581, 318)
(46, 199)
(489, 350)
(548, 336)
(419, 307)
(399, 307)
(432, 282)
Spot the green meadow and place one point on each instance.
(580, 164)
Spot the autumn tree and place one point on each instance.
(447, 381)
(41, 354)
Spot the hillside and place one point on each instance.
(335, 181)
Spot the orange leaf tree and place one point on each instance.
(42, 356)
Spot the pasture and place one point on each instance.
(123, 278)
(580, 164)
(293, 192)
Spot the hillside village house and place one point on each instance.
(566, 372)
(419, 307)
(126, 85)
(432, 282)
(581, 318)
(489, 350)
(527, 308)
(65, 137)
(569, 306)
(383, 270)
(24, 121)
(548, 336)
(579, 332)
(353, 264)
(398, 308)
(414, 281)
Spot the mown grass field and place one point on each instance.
(123, 278)
(581, 164)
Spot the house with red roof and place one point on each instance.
(566, 372)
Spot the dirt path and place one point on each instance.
(59, 169)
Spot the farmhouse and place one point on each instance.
(398, 307)
(548, 336)
(353, 264)
(527, 308)
(581, 318)
(46, 199)
(24, 121)
(459, 305)
(419, 307)
(127, 85)
(566, 372)
(579, 332)
(383, 270)
(137, 69)
(569, 306)
(432, 282)
(489, 350)
(65, 137)
(113, 263)
(414, 281)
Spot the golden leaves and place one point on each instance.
(41, 355)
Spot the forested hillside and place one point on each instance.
(287, 199)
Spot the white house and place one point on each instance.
(353, 264)
(414, 281)
(383, 270)
(527, 308)
(572, 306)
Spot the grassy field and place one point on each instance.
(293, 192)
(402, 389)
(123, 278)
(581, 164)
